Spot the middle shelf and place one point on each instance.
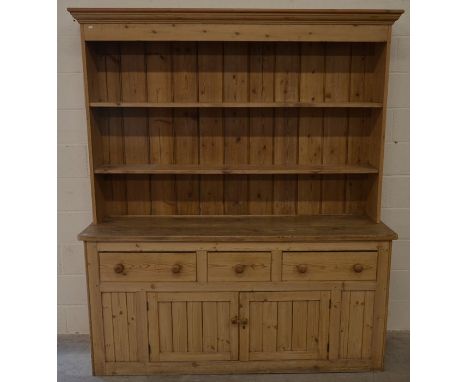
(233, 169)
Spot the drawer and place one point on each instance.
(239, 266)
(154, 266)
(329, 266)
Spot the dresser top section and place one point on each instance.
(238, 229)
(236, 16)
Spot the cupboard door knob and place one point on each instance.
(243, 322)
(358, 268)
(234, 320)
(176, 268)
(301, 268)
(239, 268)
(119, 268)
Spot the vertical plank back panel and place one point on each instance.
(161, 140)
(261, 87)
(210, 88)
(236, 126)
(136, 143)
(186, 152)
(159, 71)
(184, 66)
(285, 153)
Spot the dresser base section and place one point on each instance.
(237, 308)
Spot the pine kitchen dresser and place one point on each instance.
(236, 164)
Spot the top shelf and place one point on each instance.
(373, 105)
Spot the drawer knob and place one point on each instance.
(119, 268)
(239, 268)
(301, 268)
(176, 268)
(358, 268)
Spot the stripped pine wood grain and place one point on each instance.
(310, 144)
(256, 327)
(153, 327)
(285, 152)
(312, 79)
(261, 81)
(108, 326)
(160, 124)
(133, 72)
(186, 152)
(287, 69)
(312, 73)
(117, 203)
(269, 327)
(210, 87)
(313, 322)
(120, 324)
(179, 326)
(159, 71)
(236, 125)
(261, 153)
(334, 151)
(211, 153)
(324, 325)
(132, 327)
(165, 327)
(368, 325)
(195, 326)
(161, 140)
(210, 72)
(236, 130)
(210, 327)
(299, 325)
(184, 72)
(344, 324)
(285, 326)
(96, 68)
(356, 320)
(136, 152)
(223, 324)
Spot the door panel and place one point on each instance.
(284, 325)
(193, 326)
(124, 326)
(357, 316)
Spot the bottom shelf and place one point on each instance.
(237, 228)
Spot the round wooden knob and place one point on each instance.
(176, 268)
(239, 268)
(301, 268)
(234, 320)
(119, 268)
(358, 268)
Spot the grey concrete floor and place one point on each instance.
(74, 365)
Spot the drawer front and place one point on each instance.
(329, 266)
(239, 266)
(155, 266)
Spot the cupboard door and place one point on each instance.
(284, 325)
(193, 326)
(124, 324)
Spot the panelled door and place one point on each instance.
(193, 326)
(284, 325)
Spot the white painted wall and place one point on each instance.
(74, 202)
